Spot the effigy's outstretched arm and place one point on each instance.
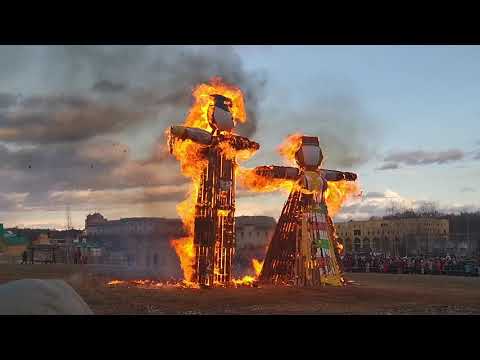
(237, 142)
(188, 133)
(335, 175)
(278, 172)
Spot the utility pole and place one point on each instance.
(468, 231)
(68, 219)
(68, 239)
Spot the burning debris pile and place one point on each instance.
(153, 284)
(246, 281)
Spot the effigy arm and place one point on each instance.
(278, 172)
(188, 133)
(335, 175)
(239, 142)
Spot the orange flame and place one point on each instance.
(257, 266)
(115, 282)
(338, 192)
(152, 284)
(248, 179)
(289, 148)
(245, 281)
(192, 163)
(198, 115)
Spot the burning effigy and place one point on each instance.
(208, 150)
(304, 250)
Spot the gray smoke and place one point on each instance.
(58, 132)
(108, 89)
(389, 166)
(348, 135)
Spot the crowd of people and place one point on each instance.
(446, 265)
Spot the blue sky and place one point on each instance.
(415, 108)
(422, 97)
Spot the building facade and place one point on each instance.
(253, 234)
(396, 237)
(254, 231)
(138, 242)
(145, 242)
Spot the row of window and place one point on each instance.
(378, 232)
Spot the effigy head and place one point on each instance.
(220, 116)
(309, 155)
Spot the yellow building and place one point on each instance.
(397, 237)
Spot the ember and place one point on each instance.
(152, 284)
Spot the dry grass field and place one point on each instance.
(369, 294)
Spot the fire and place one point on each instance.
(153, 284)
(192, 163)
(198, 115)
(115, 282)
(245, 281)
(250, 180)
(238, 155)
(257, 266)
(338, 192)
(289, 148)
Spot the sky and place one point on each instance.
(82, 126)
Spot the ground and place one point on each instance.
(370, 294)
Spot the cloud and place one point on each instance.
(375, 204)
(108, 86)
(118, 197)
(477, 156)
(90, 165)
(467, 189)
(12, 201)
(7, 100)
(419, 157)
(388, 166)
(161, 79)
(64, 138)
(374, 195)
(56, 120)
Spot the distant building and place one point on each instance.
(145, 242)
(254, 231)
(42, 239)
(253, 234)
(142, 242)
(11, 245)
(97, 225)
(397, 237)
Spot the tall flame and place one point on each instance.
(338, 192)
(192, 163)
(289, 148)
(257, 266)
